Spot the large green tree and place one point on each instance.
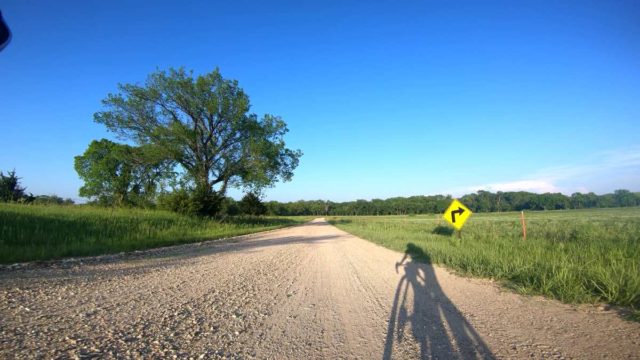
(204, 124)
(119, 174)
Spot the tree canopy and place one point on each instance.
(251, 204)
(119, 174)
(203, 123)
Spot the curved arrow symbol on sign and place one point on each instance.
(453, 213)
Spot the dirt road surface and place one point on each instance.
(306, 292)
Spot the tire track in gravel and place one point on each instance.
(310, 291)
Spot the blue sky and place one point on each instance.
(384, 98)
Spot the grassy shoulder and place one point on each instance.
(33, 232)
(576, 256)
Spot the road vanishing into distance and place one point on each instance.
(305, 292)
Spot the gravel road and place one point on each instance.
(306, 292)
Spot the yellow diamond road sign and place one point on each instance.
(457, 214)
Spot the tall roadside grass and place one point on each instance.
(576, 256)
(48, 232)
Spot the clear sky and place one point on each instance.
(384, 98)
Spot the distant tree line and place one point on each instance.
(482, 201)
(251, 204)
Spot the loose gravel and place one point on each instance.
(305, 292)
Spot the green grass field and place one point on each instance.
(49, 232)
(577, 256)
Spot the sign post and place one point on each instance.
(524, 226)
(456, 215)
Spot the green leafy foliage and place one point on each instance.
(195, 202)
(10, 189)
(252, 205)
(230, 207)
(178, 201)
(50, 200)
(118, 174)
(204, 125)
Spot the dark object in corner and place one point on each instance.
(5, 34)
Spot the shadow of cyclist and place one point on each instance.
(436, 325)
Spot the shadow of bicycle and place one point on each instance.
(422, 310)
